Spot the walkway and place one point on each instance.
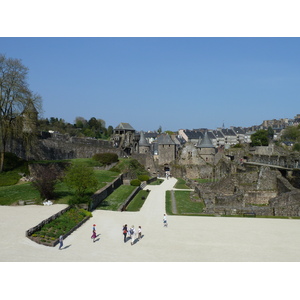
(194, 239)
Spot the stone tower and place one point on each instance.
(144, 146)
(125, 138)
(30, 118)
(206, 149)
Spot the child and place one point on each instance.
(94, 235)
(140, 232)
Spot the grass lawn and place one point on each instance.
(185, 205)
(137, 202)
(168, 203)
(117, 197)
(181, 184)
(13, 193)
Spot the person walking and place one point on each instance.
(139, 232)
(94, 235)
(61, 238)
(125, 232)
(132, 234)
(165, 221)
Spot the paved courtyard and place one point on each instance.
(186, 239)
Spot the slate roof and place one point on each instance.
(124, 126)
(205, 142)
(193, 134)
(239, 130)
(149, 135)
(143, 141)
(218, 134)
(228, 132)
(165, 139)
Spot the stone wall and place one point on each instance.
(101, 194)
(63, 147)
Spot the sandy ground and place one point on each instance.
(186, 239)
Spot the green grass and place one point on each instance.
(168, 203)
(60, 226)
(11, 194)
(185, 205)
(157, 182)
(116, 198)
(137, 202)
(181, 184)
(9, 178)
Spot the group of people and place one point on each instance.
(131, 233)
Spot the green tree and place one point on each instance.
(15, 96)
(260, 138)
(81, 179)
(291, 133)
(270, 133)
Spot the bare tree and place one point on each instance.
(15, 96)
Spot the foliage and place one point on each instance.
(135, 182)
(291, 133)
(81, 179)
(260, 138)
(62, 224)
(143, 177)
(237, 146)
(93, 128)
(63, 194)
(131, 167)
(13, 162)
(9, 178)
(106, 158)
(270, 133)
(15, 98)
(46, 176)
(296, 147)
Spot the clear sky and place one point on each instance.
(170, 82)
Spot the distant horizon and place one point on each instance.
(196, 128)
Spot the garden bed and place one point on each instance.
(49, 232)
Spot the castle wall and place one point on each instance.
(166, 154)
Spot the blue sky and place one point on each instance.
(170, 82)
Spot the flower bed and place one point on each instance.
(63, 225)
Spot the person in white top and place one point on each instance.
(132, 234)
(165, 221)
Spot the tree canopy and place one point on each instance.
(260, 138)
(15, 96)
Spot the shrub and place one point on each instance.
(106, 158)
(143, 177)
(296, 147)
(135, 182)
